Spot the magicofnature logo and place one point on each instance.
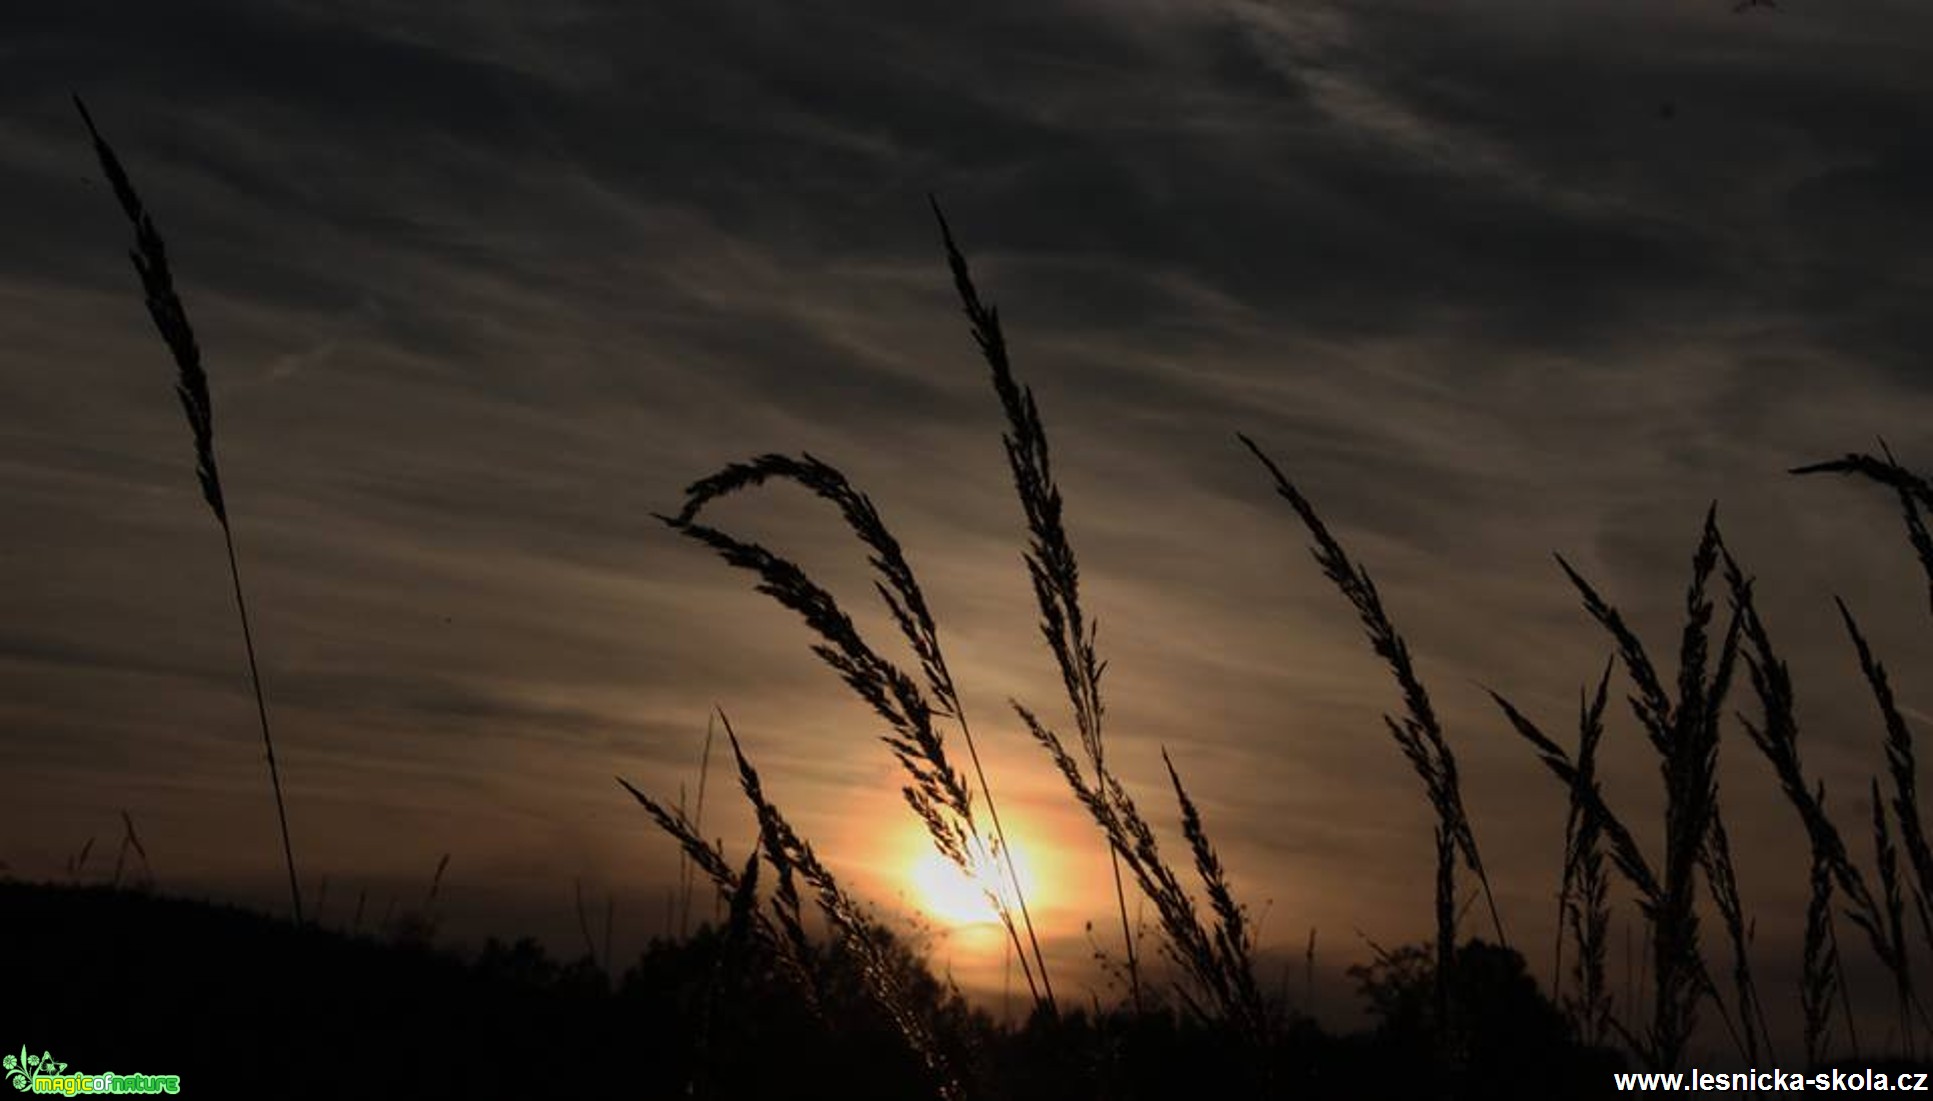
(44, 1074)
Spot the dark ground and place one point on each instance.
(243, 1005)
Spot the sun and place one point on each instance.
(957, 898)
(948, 894)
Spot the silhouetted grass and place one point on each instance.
(755, 1003)
(1777, 737)
(1583, 908)
(1051, 564)
(150, 258)
(937, 792)
(1684, 734)
(793, 861)
(1215, 958)
(1913, 491)
(1419, 733)
(1902, 767)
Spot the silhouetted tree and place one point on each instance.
(1502, 1036)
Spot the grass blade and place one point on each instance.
(150, 258)
(1050, 561)
(1419, 734)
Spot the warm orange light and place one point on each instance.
(958, 897)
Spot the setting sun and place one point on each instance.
(954, 897)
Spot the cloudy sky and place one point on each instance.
(481, 288)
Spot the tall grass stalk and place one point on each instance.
(1215, 959)
(1419, 734)
(1886, 860)
(745, 924)
(1777, 737)
(780, 930)
(1821, 979)
(131, 841)
(1232, 939)
(1902, 766)
(77, 863)
(1582, 895)
(1914, 494)
(1051, 565)
(1723, 884)
(1587, 901)
(150, 258)
(743, 904)
(1684, 733)
(789, 853)
(436, 888)
(1598, 826)
(687, 872)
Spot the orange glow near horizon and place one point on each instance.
(956, 898)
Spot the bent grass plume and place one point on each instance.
(150, 258)
(1915, 494)
(937, 792)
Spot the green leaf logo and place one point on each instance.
(22, 1068)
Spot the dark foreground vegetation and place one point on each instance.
(241, 1004)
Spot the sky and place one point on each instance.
(481, 287)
